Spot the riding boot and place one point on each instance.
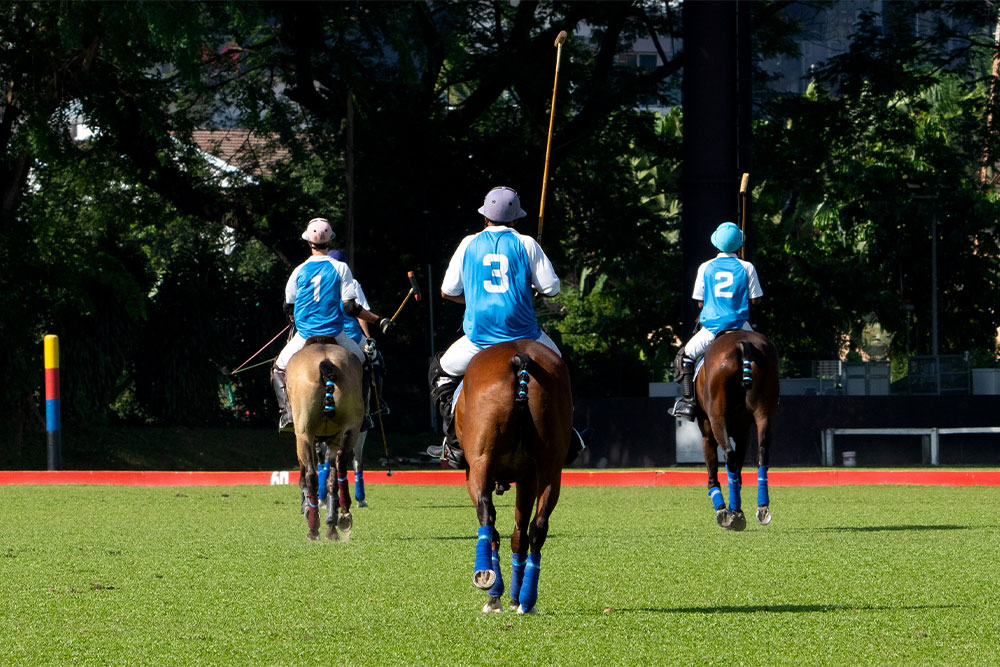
(685, 406)
(285, 408)
(443, 388)
(366, 390)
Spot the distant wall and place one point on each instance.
(638, 432)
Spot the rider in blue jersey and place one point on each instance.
(318, 294)
(493, 273)
(725, 287)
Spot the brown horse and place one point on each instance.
(513, 419)
(324, 389)
(737, 391)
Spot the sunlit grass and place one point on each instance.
(843, 575)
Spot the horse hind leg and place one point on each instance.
(308, 482)
(763, 449)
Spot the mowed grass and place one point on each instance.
(210, 575)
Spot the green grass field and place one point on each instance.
(210, 575)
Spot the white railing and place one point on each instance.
(933, 434)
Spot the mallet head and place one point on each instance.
(560, 38)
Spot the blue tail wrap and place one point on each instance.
(529, 585)
(762, 496)
(735, 486)
(715, 495)
(322, 472)
(484, 549)
(328, 405)
(516, 577)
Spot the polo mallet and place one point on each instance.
(381, 426)
(548, 142)
(414, 292)
(744, 193)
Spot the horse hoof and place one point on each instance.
(723, 517)
(313, 535)
(484, 579)
(362, 503)
(494, 605)
(344, 522)
(738, 522)
(530, 612)
(331, 532)
(763, 515)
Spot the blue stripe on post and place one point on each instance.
(53, 421)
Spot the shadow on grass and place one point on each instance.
(793, 608)
(879, 529)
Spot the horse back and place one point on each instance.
(721, 378)
(307, 387)
(489, 419)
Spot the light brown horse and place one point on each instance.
(737, 390)
(324, 389)
(513, 419)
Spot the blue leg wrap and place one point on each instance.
(715, 495)
(322, 472)
(762, 497)
(735, 486)
(484, 549)
(359, 486)
(497, 589)
(516, 577)
(529, 586)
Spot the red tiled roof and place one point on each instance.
(252, 153)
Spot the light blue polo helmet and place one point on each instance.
(727, 237)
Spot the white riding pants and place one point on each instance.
(696, 347)
(297, 342)
(457, 358)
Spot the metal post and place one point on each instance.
(430, 308)
(934, 289)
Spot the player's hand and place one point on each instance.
(385, 324)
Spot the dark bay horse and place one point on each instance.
(737, 391)
(513, 419)
(324, 389)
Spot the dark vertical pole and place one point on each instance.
(709, 176)
(349, 178)
(744, 122)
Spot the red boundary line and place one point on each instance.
(821, 477)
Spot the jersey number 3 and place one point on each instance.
(499, 266)
(723, 279)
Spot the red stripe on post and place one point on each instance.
(52, 383)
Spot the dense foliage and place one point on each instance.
(161, 270)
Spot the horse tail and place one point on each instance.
(745, 352)
(328, 376)
(519, 364)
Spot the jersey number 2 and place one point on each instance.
(499, 266)
(723, 279)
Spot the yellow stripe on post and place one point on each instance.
(51, 351)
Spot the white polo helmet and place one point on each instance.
(502, 205)
(318, 232)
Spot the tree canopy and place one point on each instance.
(161, 266)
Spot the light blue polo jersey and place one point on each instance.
(726, 294)
(496, 273)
